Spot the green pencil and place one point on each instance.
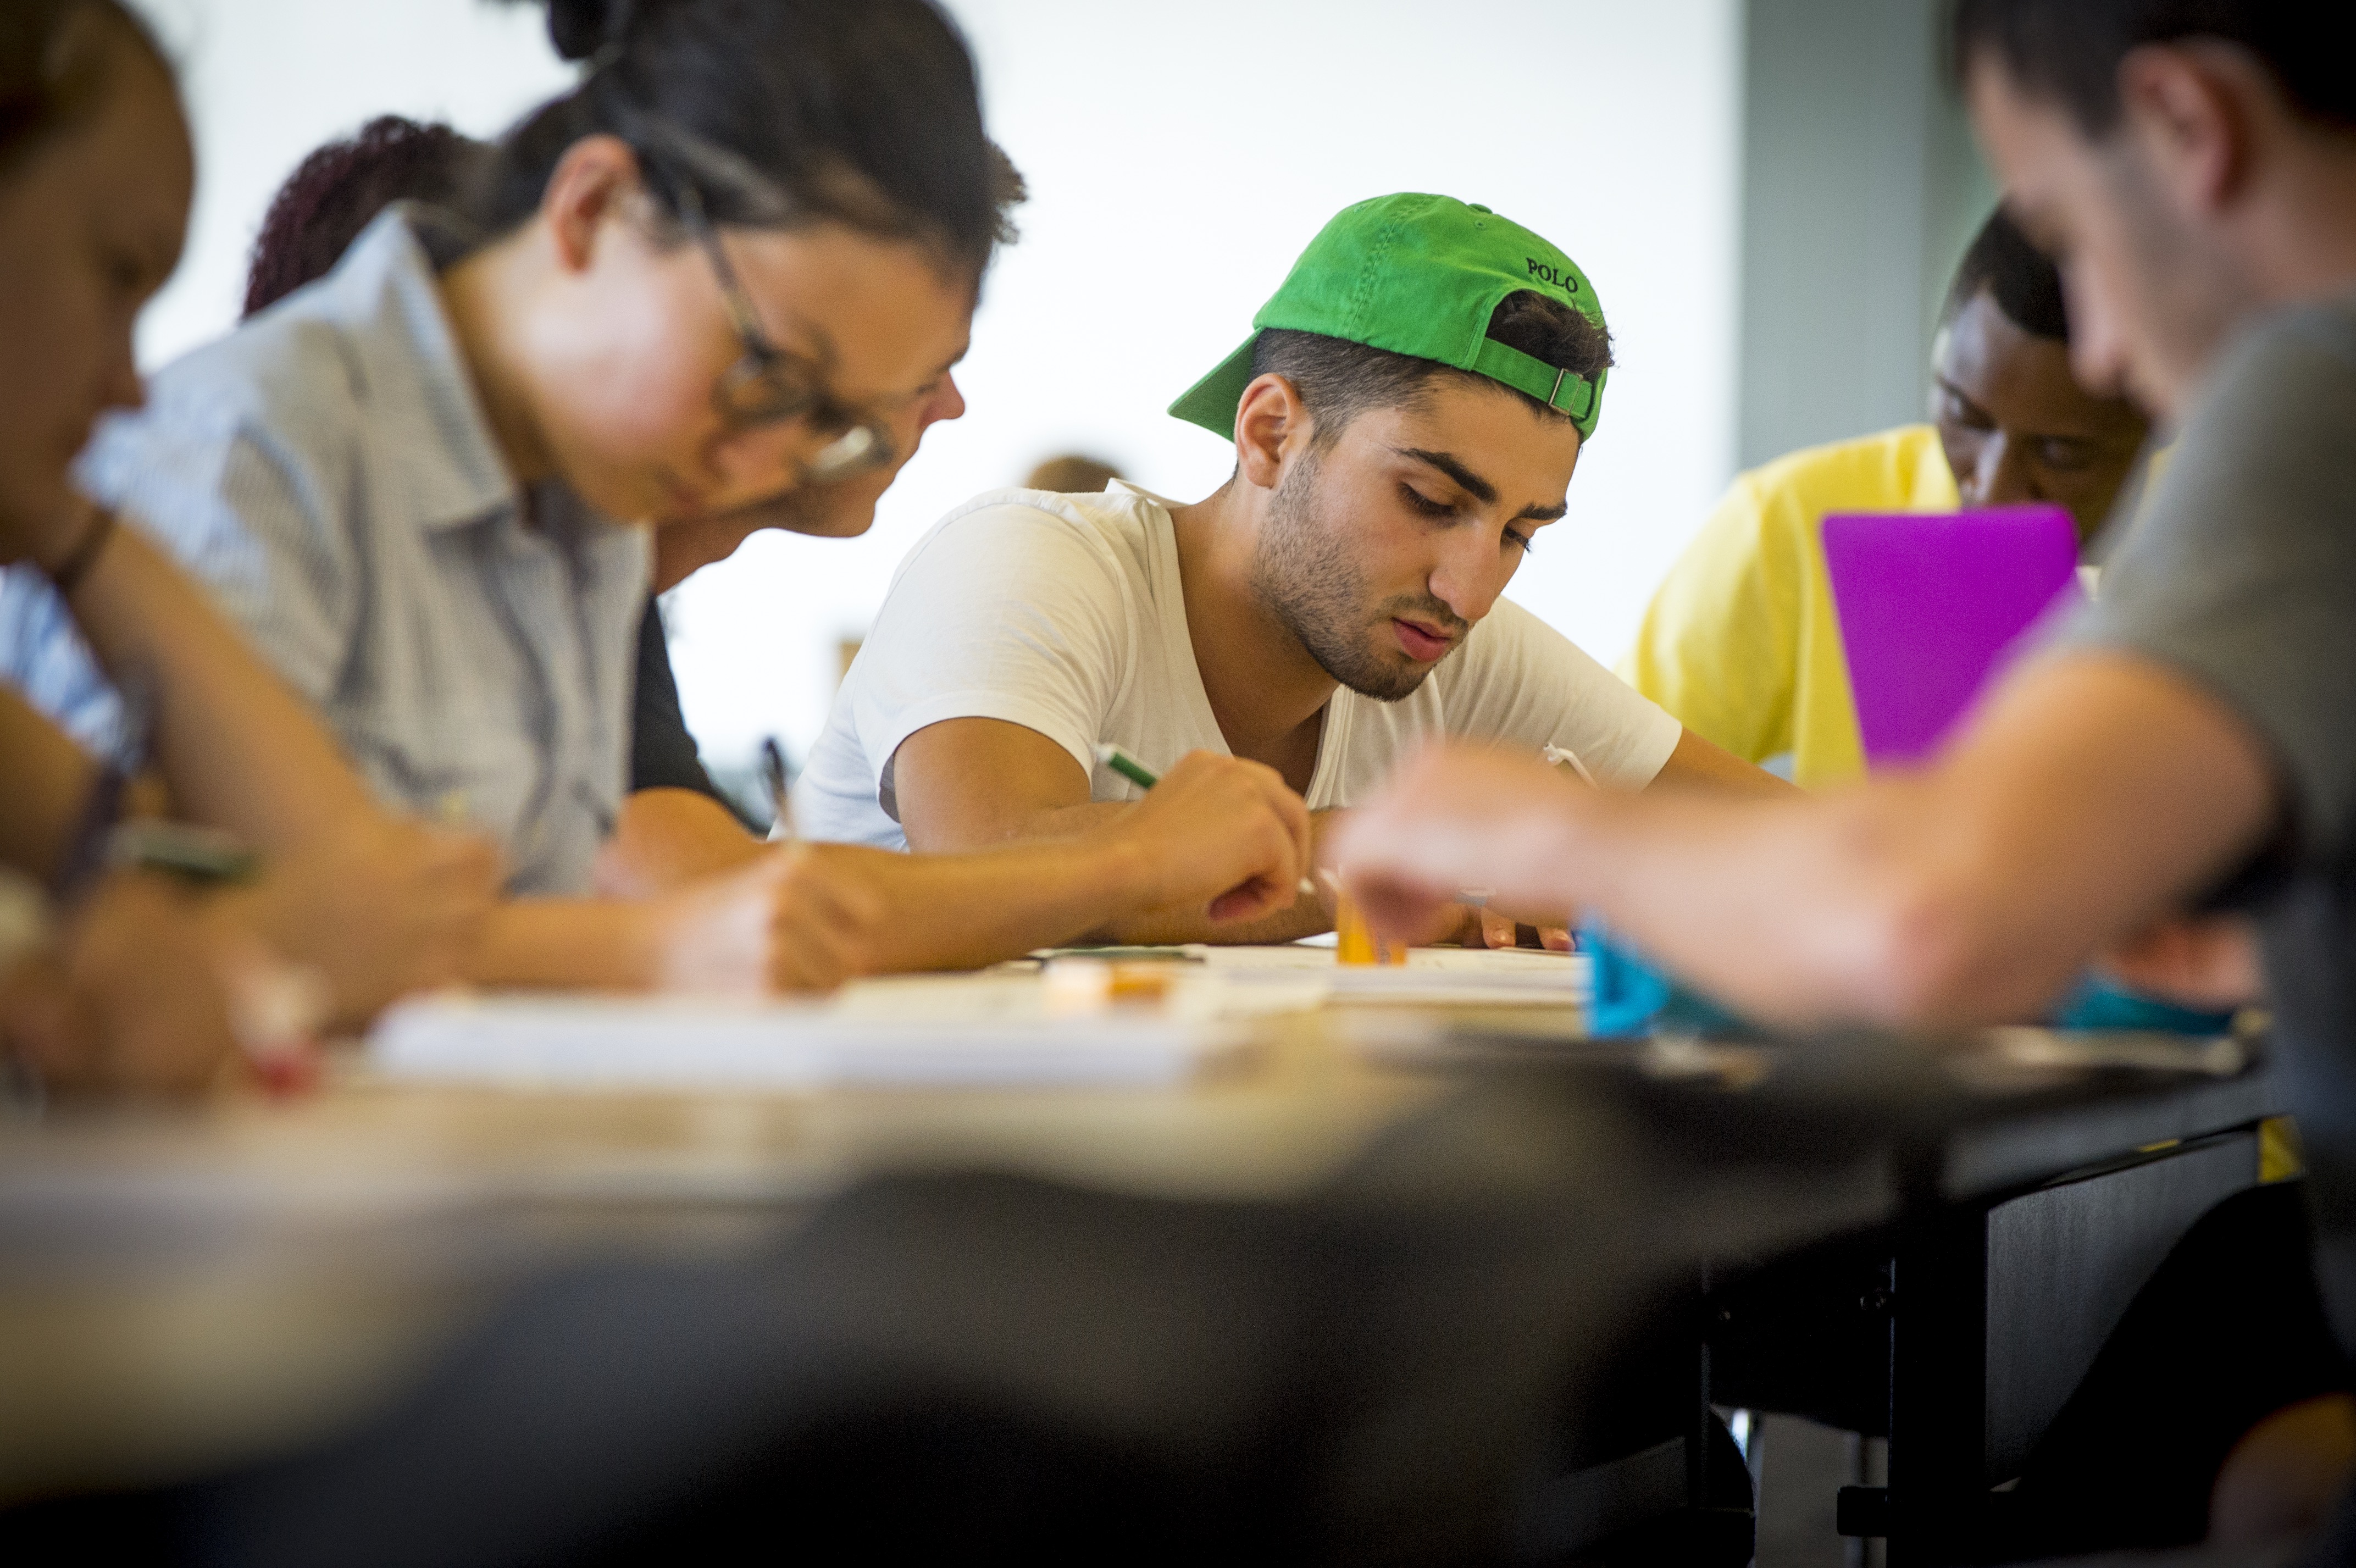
(1128, 767)
(1144, 778)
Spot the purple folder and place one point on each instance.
(1929, 604)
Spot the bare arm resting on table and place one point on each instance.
(967, 784)
(2097, 796)
(717, 910)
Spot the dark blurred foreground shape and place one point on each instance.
(1483, 1344)
(988, 1367)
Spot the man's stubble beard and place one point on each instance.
(1304, 573)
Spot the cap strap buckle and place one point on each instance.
(1563, 390)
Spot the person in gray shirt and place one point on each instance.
(2190, 742)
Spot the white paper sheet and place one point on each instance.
(957, 1030)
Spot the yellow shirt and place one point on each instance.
(1740, 642)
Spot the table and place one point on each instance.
(181, 1289)
(2023, 1219)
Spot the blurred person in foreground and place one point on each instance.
(2170, 787)
(119, 978)
(1405, 418)
(679, 293)
(1740, 640)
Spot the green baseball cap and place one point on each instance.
(1421, 276)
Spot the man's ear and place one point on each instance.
(2184, 103)
(1270, 421)
(591, 182)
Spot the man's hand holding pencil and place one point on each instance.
(1218, 833)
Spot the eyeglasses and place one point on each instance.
(770, 385)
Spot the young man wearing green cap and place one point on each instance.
(1406, 416)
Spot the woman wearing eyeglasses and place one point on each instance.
(736, 264)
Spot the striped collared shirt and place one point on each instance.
(328, 471)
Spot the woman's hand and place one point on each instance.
(804, 918)
(377, 913)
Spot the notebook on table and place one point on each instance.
(1932, 604)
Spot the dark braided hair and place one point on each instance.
(779, 113)
(336, 192)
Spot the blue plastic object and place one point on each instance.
(2097, 1003)
(1632, 997)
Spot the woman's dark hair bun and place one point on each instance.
(772, 112)
(579, 29)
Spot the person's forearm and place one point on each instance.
(238, 750)
(1307, 918)
(1698, 763)
(985, 834)
(1895, 903)
(666, 838)
(1798, 916)
(1106, 910)
(948, 911)
(48, 787)
(2093, 794)
(590, 943)
(1794, 911)
(960, 911)
(1070, 879)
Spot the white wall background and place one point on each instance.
(1179, 155)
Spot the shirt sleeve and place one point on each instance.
(1526, 684)
(254, 524)
(2241, 575)
(1718, 645)
(237, 518)
(44, 659)
(1007, 612)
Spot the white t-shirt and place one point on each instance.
(1063, 614)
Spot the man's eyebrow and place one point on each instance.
(1483, 491)
(1481, 488)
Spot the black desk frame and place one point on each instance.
(1974, 1219)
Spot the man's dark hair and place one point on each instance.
(2068, 50)
(777, 113)
(47, 86)
(2021, 279)
(338, 190)
(1339, 379)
